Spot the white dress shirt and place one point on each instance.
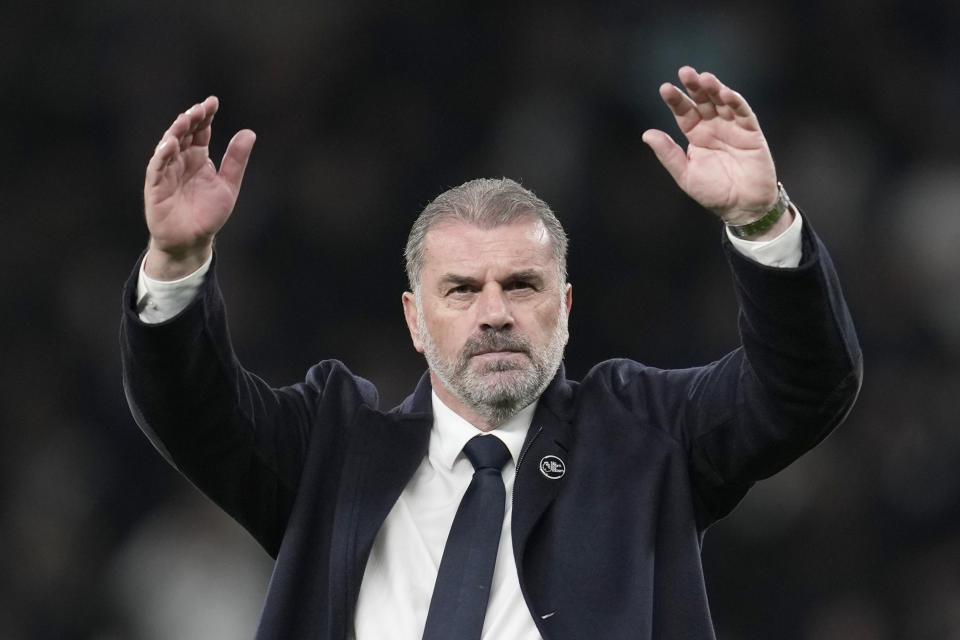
(398, 581)
(402, 568)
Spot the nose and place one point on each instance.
(494, 309)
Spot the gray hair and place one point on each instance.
(485, 203)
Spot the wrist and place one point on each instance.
(160, 264)
(771, 221)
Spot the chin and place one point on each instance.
(503, 384)
(501, 365)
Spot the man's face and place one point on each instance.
(491, 317)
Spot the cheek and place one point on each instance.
(449, 331)
(547, 316)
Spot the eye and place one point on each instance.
(460, 290)
(519, 285)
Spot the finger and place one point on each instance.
(683, 108)
(193, 124)
(192, 118)
(235, 158)
(713, 88)
(202, 112)
(736, 102)
(692, 82)
(163, 154)
(179, 127)
(740, 108)
(710, 85)
(178, 136)
(208, 109)
(668, 152)
(730, 104)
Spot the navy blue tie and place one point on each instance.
(462, 590)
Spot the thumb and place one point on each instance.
(668, 152)
(235, 158)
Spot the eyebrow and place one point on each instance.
(457, 280)
(524, 275)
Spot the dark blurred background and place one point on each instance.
(364, 112)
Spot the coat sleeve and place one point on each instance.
(792, 381)
(239, 440)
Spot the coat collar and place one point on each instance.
(418, 402)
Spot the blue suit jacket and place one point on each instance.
(652, 457)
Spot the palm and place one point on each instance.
(727, 170)
(190, 202)
(727, 166)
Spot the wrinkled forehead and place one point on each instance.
(452, 239)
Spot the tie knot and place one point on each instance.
(486, 452)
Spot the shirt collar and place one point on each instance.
(451, 432)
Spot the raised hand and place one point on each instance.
(186, 199)
(727, 166)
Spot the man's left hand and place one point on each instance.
(727, 167)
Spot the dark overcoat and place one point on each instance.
(651, 457)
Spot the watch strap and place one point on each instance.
(766, 221)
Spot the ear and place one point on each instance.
(410, 313)
(568, 298)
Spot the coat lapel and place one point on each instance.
(384, 452)
(541, 470)
(389, 449)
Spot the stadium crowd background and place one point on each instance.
(364, 111)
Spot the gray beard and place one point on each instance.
(496, 400)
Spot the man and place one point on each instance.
(609, 482)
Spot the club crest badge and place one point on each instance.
(552, 467)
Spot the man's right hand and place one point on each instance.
(186, 199)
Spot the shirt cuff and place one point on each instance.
(784, 251)
(160, 300)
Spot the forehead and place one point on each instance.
(455, 246)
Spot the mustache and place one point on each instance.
(495, 341)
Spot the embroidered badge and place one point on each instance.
(552, 467)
